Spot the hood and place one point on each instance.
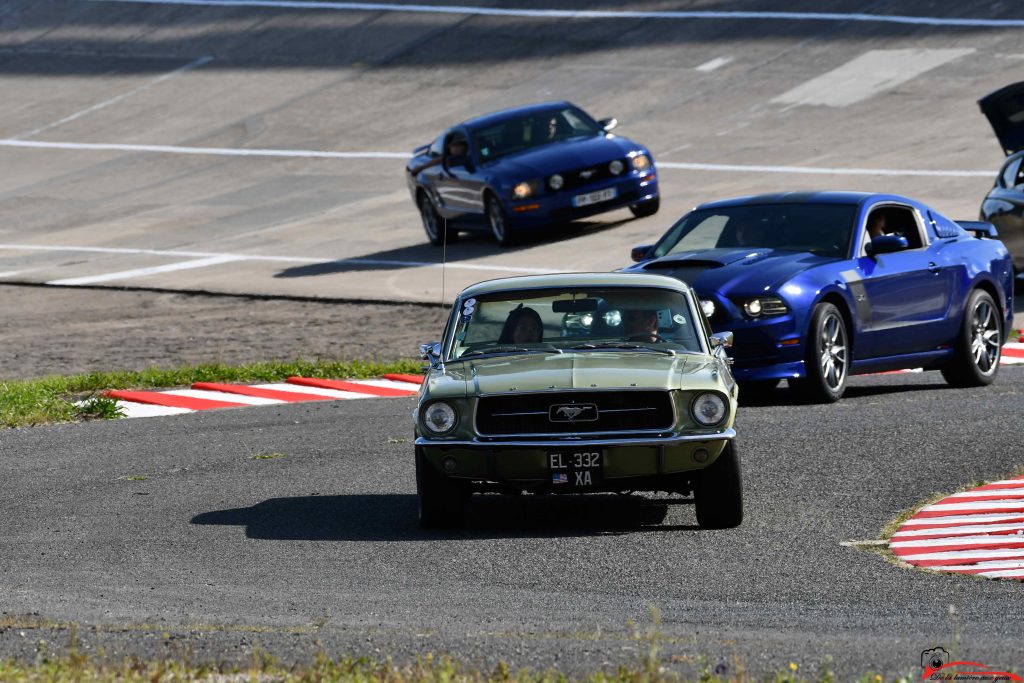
(568, 155)
(583, 370)
(741, 271)
(1004, 109)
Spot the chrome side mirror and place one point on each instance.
(431, 351)
(721, 340)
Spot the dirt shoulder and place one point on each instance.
(61, 331)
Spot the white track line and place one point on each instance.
(965, 529)
(315, 154)
(711, 65)
(215, 151)
(133, 409)
(213, 257)
(592, 14)
(114, 100)
(315, 391)
(143, 272)
(941, 523)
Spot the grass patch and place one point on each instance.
(52, 399)
(78, 666)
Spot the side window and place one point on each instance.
(457, 147)
(1013, 175)
(894, 220)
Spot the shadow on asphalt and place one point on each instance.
(392, 517)
(783, 396)
(470, 246)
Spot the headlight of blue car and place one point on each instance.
(764, 306)
(525, 189)
(641, 162)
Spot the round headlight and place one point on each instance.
(708, 409)
(753, 307)
(708, 307)
(522, 190)
(616, 167)
(613, 318)
(439, 417)
(641, 162)
(556, 182)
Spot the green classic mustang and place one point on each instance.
(577, 383)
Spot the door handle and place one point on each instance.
(934, 267)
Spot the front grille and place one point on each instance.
(575, 179)
(618, 411)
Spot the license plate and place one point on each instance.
(594, 197)
(576, 468)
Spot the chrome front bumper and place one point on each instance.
(725, 434)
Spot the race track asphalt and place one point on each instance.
(166, 535)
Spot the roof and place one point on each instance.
(574, 280)
(495, 117)
(827, 197)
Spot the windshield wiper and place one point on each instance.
(621, 345)
(505, 349)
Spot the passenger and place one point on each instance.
(641, 325)
(522, 326)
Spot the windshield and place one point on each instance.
(641, 319)
(822, 229)
(532, 130)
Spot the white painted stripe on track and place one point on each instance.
(988, 492)
(315, 391)
(953, 520)
(966, 555)
(356, 261)
(711, 65)
(966, 529)
(594, 14)
(215, 151)
(959, 540)
(810, 170)
(144, 272)
(114, 100)
(133, 409)
(1006, 574)
(223, 396)
(980, 505)
(388, 384)
(316, 154)
(997, 564)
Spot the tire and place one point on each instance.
(433, 224)
(978, 344)
(645, 209)
(828, 357)
(719, 492)
(441, 500)
(497, 219)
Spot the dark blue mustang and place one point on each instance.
(526, 168)
(820, 286)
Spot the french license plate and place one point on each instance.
(594, 197)
(576, 468)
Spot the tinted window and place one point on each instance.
(822, 229)
(521, 133)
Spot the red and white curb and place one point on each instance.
(975, 532)
(210, 395)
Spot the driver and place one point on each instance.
(640, 325)
(522, 326)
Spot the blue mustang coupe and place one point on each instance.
(526, 168)
(820, 286)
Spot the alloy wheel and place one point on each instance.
(833, 351)
(984, 337)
